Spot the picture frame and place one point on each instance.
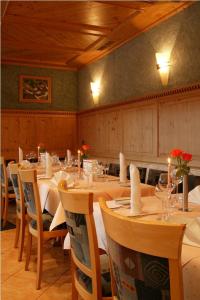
(34, 89)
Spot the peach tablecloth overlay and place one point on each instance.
(109, 189)
(190, 254)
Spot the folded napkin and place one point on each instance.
(123, 172)
(20, 155)
(194, 195)
(69, 156)
(48, 163)
(61, 175)
(192, 232)
(25, 164)
(135, 202)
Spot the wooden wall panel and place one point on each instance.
(145, 129)
(179, 124)
(56, 130)
(139, 126)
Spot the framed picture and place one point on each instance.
(34, 89)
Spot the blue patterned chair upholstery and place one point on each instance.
(145, 257)
(138, 275)
(7, 191)
(85, 252)
(20, 209)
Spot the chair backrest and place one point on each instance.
(4, 177)
(145, 257)
(114, 169)
(16, 182)
(142, 172)
(153, 176)
(31, 196)
(84, 249)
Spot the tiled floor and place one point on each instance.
(17, 284)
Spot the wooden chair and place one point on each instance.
(38, 223)
(89, 280)
(20, 208)
(7, 191)
(145, 257)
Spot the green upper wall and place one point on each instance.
(64, 88)
(130, 71)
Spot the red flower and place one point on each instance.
(186, 156)
(176, 153)
(85, 147)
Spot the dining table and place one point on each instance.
(117, 196)
(152, 210)
(108, 187)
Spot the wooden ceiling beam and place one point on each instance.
(137, 5)
(37, 64)
(41, 47)
(60, 26)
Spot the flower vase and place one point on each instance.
(185, 193)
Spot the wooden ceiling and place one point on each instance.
(71, 34)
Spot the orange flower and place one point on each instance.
(176, 153)
(85, 147)
(181, 159)
(186, 156)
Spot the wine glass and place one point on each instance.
(177, 180)
(167, 187)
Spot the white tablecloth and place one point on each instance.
(109, 189)
(190, 254)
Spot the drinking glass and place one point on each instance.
(177, 180)
(167, 188)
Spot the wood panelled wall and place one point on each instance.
(145, 129)
(56, 130)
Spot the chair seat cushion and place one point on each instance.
(86, 281)
(46, 219)
(10, 190)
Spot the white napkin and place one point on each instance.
(194, 195)
(135, 202)
(192, 232)
(48, 165)
(25, 164)
(61, 175)
(69, 156)
(123, 172)
(20, 155)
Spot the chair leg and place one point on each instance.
(74, 290)
(18, 225)
(28, 250)
(2, 206)
(22, 236)
(5, 213)
(39, 262)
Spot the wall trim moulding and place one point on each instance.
(38, 112)
(37, 65)
(156, 96)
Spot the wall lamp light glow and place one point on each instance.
(163, 65)
(95, 88)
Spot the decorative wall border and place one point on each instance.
(38, 112)
(156, 96)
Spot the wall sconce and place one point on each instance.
(95, 88)
(163, 66)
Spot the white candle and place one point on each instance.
(169, 170)
(79, 161)
(38, 153)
